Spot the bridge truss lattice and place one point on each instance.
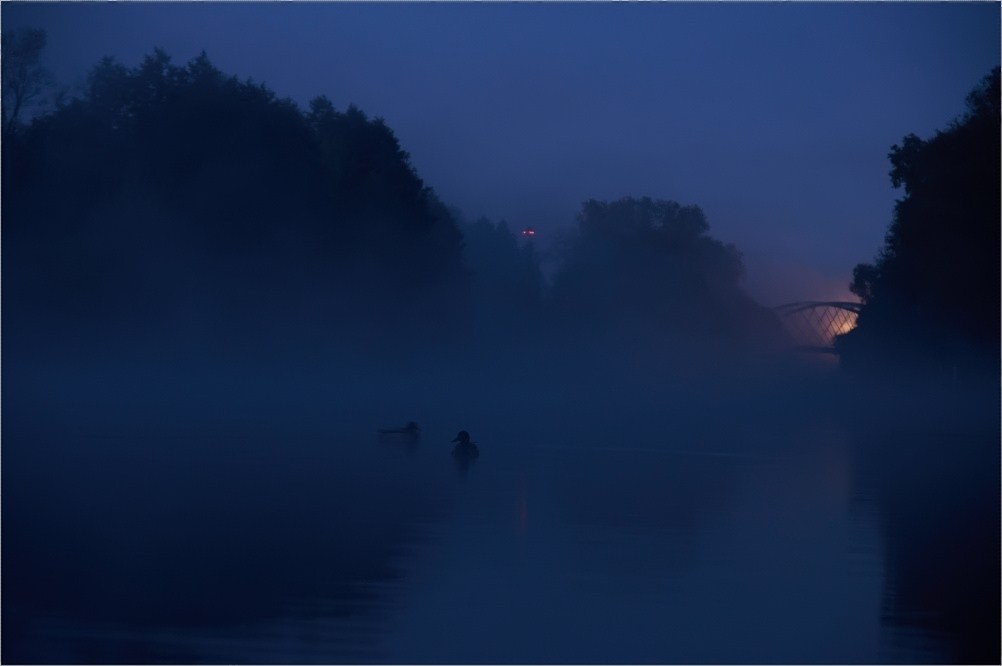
(813, 325)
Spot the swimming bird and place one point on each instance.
(411, 430)
(465, 448)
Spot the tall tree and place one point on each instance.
(932, 295)
(24, 79)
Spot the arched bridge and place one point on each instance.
(814, 324)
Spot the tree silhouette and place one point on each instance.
(175, 191)
(649, 269)
(24, 78)
(932, 295)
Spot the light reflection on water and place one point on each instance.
(304, 552)
(634, 557)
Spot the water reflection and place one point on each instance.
(937, 492)
(646, 557)
(138, 549)
(802, 545)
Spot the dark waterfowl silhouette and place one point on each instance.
(411, 430)
(465, 450)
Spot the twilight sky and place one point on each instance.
(775, 118)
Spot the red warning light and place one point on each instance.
(528, 231)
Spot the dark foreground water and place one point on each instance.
(819, 539)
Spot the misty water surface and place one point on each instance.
(654, 529)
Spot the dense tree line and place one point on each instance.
(167, 192)
(931, 298)
(174, 200)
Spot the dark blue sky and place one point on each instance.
(776, 118)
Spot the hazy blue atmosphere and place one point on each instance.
(775, 118)
(500, 333)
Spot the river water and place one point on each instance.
(816, 540)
